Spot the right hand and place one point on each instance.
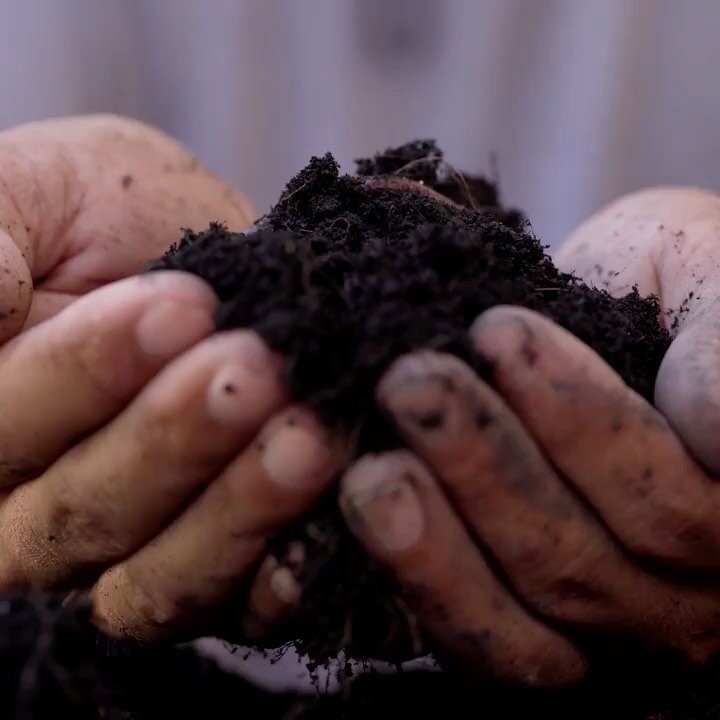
(589, 501)
(139, 455)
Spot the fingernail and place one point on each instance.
(423, 406)
(295, 454)
(247, 386)
(169, 327)
(421, 379)
(285, 586)
(386, 509)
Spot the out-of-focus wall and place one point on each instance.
(580, 100)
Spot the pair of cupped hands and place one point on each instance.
(148, 458)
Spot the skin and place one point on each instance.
(568, 480)
(141, 458)
(571, 483)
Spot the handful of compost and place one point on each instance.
(345, 275)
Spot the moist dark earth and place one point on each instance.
(343, 275)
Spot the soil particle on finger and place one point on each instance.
(348, 272)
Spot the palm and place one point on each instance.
(667, 242)
(89, 201)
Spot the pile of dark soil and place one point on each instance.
(345, 274)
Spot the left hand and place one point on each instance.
(127, 432)
(561, 477)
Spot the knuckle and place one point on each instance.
(91, 354)
(568, 599)
(178, 431)
(675, 533)
(563, 590)
(157, 419)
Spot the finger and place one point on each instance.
(556, 554)
(503, 487)
(16, 260)
(201, 558)
(394, 507)
(275, 593)
(274, 596)
(665, 241)
(64, 377)
(46, 305)
(687, 390)
(15, 280)
(640, 478)
(115, 490)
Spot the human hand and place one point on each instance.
(138, 455)
(86, 201)
(533, 509)
(667, 242)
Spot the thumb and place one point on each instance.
(687, 389)
(16, 287)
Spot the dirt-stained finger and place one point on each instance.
(396, 509)
(202, 557)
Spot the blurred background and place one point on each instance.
(579, 100)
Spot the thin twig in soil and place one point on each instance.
(417, 161)
(338, 220)
(285, 198)
(295, 231)
(468, 195)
